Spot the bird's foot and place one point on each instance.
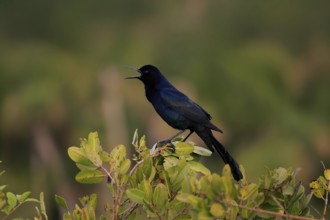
(166, 143)
(160, 144)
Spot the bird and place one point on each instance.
(181, 113)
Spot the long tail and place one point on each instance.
(206, 135)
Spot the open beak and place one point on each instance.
(133, 77)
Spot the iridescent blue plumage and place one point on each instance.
(182, 113)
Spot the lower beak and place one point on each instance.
(133, 77)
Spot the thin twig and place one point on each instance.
(135, 167)
(107, 172)
(13, 210)
(272, 213)
(315, 210)
(141, 161)
(114, 200)
(181, 212)
(326, 202)
(326, 196)
(279, 204)
(130, 210)
(322, 164)
(155, 211)
(117, 205)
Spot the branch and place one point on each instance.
(135, 167)
(181, 212)
(107, 172)
(272, 213)
(325, 203)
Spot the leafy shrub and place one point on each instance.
(165, 184)
(11, 202)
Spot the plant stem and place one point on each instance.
(135, 167)
(325, 202)
(107, 172)
(272, 213)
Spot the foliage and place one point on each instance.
(165, 184)
(321, 188)
(10, 202)
(260, 68)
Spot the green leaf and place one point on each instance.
(104, 156)
(288, 189)
(93, 143)
(233, 211)
(95, 158)
(227, 180)
(135, 140)
(78, 156)
(297, 196)
(148, 169)
(317, 188)
(150, 210)
(306, 200)
(248, 191)
(92, 202)
(183, 197)
(90, 176)
(203, 215)
(67, 216)
(117, 156)
(11, 199)
(202, 151)
(217, 184)
(226, 171)
(175, 206)
(165, 179)
(143, 144)
(206, 186)
(32, 200)
(327, 174)
(124, 167)
(42, 205)
(145, 186)
(281, 174)
(23, 197)
(136, 195)
(198, 167)
(170, 162)
(217, 210)
(160, 197)
(177, 174)
(61, 202)
(183, 148)
(92, 148)
(2, 187)
(189, 198)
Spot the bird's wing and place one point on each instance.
(179, 102)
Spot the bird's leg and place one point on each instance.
(168, 140)
(187, 136)
(171, 138)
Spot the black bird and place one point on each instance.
(182, 113)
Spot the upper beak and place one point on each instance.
(133, 77)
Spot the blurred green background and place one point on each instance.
(260, 68)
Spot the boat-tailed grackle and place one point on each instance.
(182, 113)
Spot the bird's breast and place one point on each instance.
(170, 116)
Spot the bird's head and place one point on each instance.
(149, 74)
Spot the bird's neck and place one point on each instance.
(152, 90)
